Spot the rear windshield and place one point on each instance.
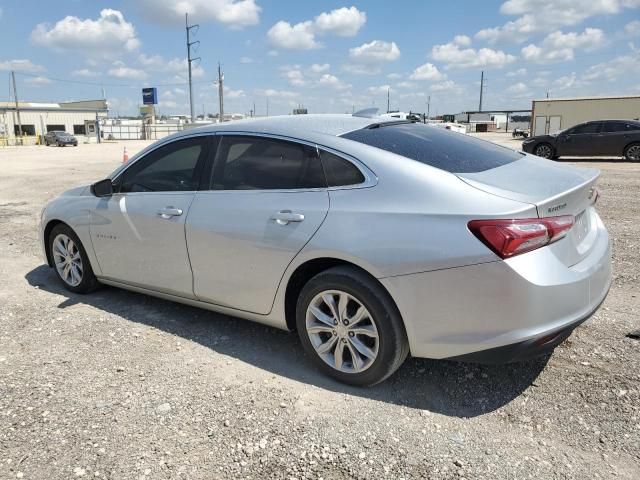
(437, 147)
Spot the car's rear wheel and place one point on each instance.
(543, 150)
(70, 260)
(632, 152)
(350, 327)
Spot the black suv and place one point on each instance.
(601, 138)
(59, 138)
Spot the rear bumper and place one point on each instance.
(526, 350)
(513, 304)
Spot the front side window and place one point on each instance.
(261, 163)
(171, 168)
(340, 172)
(593, 127)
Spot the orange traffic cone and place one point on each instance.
(125, 156)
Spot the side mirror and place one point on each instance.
(103, 188)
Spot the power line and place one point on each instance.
(103, 84)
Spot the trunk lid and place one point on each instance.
(555, 189)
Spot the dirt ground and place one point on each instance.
(119, 385)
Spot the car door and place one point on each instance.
(138, 233)
(615, 136)
(580, 141)
(265, 200)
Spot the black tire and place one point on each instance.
(89, 281)
(59, 144)
(630, 154)
(393, 346)
(544, 150)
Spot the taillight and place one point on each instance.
(508, 238)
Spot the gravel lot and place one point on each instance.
(123, 386)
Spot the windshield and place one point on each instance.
(437, 147)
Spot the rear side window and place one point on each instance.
(437, 147)
(260, 163)
(340, 172)
(611, 127)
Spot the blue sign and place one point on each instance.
(150, 96)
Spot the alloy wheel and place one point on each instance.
(544, 151)
(633, 153)
(342, 331)
(67, 259)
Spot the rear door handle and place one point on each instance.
(283, 217)
(169, 212)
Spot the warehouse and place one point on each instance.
(78, 118)
(553, 114)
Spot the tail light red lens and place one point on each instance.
(508, 238)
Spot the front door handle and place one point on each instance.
(283, 217)
(169, 212)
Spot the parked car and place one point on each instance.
(60, 138)
(602, 138)
(520, 132)
(373, 238)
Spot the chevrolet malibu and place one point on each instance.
(373, 238)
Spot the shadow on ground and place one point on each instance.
(449, 388)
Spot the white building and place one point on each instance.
(553, 114)
(78, 118)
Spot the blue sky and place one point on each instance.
(329, 56)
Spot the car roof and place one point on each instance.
(327, 124)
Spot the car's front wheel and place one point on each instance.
(632, 153)
(543, 150)
(350, 327)
(70, 260)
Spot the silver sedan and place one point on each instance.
(373, 238)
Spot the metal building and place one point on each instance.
(78, 118)
(553, 114)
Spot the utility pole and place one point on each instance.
(481, 89)
(388, 93)
(428, 106)
(190, 60)
(15, 96)
(220, 93)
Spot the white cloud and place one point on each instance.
(446, 86)
(21, 65)
(394, 76)
(85, 72)
(246, 60)
(379, 90)
(38, 81)
(108, 35)
(375, 52)
(176, 66)
(454, 57)
(462, 40)
(331, 81)
(632, 28)
(406, 85)
(319, 68)
(536, 16)
(428, 71)
(623, 65)
(233, 94)
(120, 70)
(558, 46)
(278, 94)
(293, 37)
(517, 73)
(344, 22)
(294, 75)
(234, 13)
(518, 90)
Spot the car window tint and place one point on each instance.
(593, 127)
(437, 147)
(259, 163)
(170, 168)
(611, 127)
(340, 172)
(632, 127)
